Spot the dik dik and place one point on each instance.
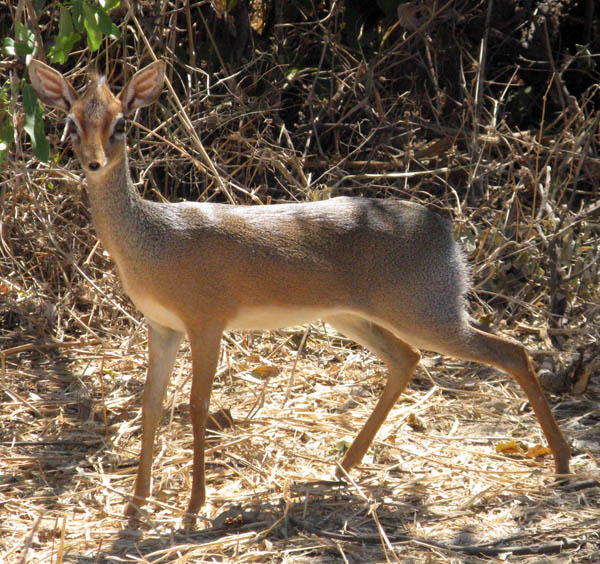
(387, 274)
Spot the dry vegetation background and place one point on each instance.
(486, 111)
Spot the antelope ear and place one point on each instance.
(51, 87)
(144, 87)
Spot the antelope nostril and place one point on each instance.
(94, 165)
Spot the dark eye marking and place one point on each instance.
(119, 127)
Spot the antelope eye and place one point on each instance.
(71, 128)
(119, 128)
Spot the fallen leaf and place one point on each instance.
(511, 447)
(265, 371)
(537, 451)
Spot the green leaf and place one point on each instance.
(109, 5)
(34, 124)
(77, 13)
(106, 25)
(29, 99)
(7, 132)
(59, 52)
(22, 45)
(97, 23)
(26, 36)
(8, 47)
(91, 21)
(6, 126)
(65, 22)
(66, 38)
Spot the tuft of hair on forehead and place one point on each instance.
(96, 99)
(97, 87)
(95, 80)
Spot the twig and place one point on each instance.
(288, 391)
(29, 540)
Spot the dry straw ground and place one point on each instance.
(429, 114)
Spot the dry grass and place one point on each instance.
(72, 348)
(432, 474)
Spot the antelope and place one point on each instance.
(385, 273)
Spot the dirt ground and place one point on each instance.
(434, 487)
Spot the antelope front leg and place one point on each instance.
(205, 354)
(162, 349)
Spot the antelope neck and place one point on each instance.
(117, 208)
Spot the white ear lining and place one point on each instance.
(51, 87)
(143, 88)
